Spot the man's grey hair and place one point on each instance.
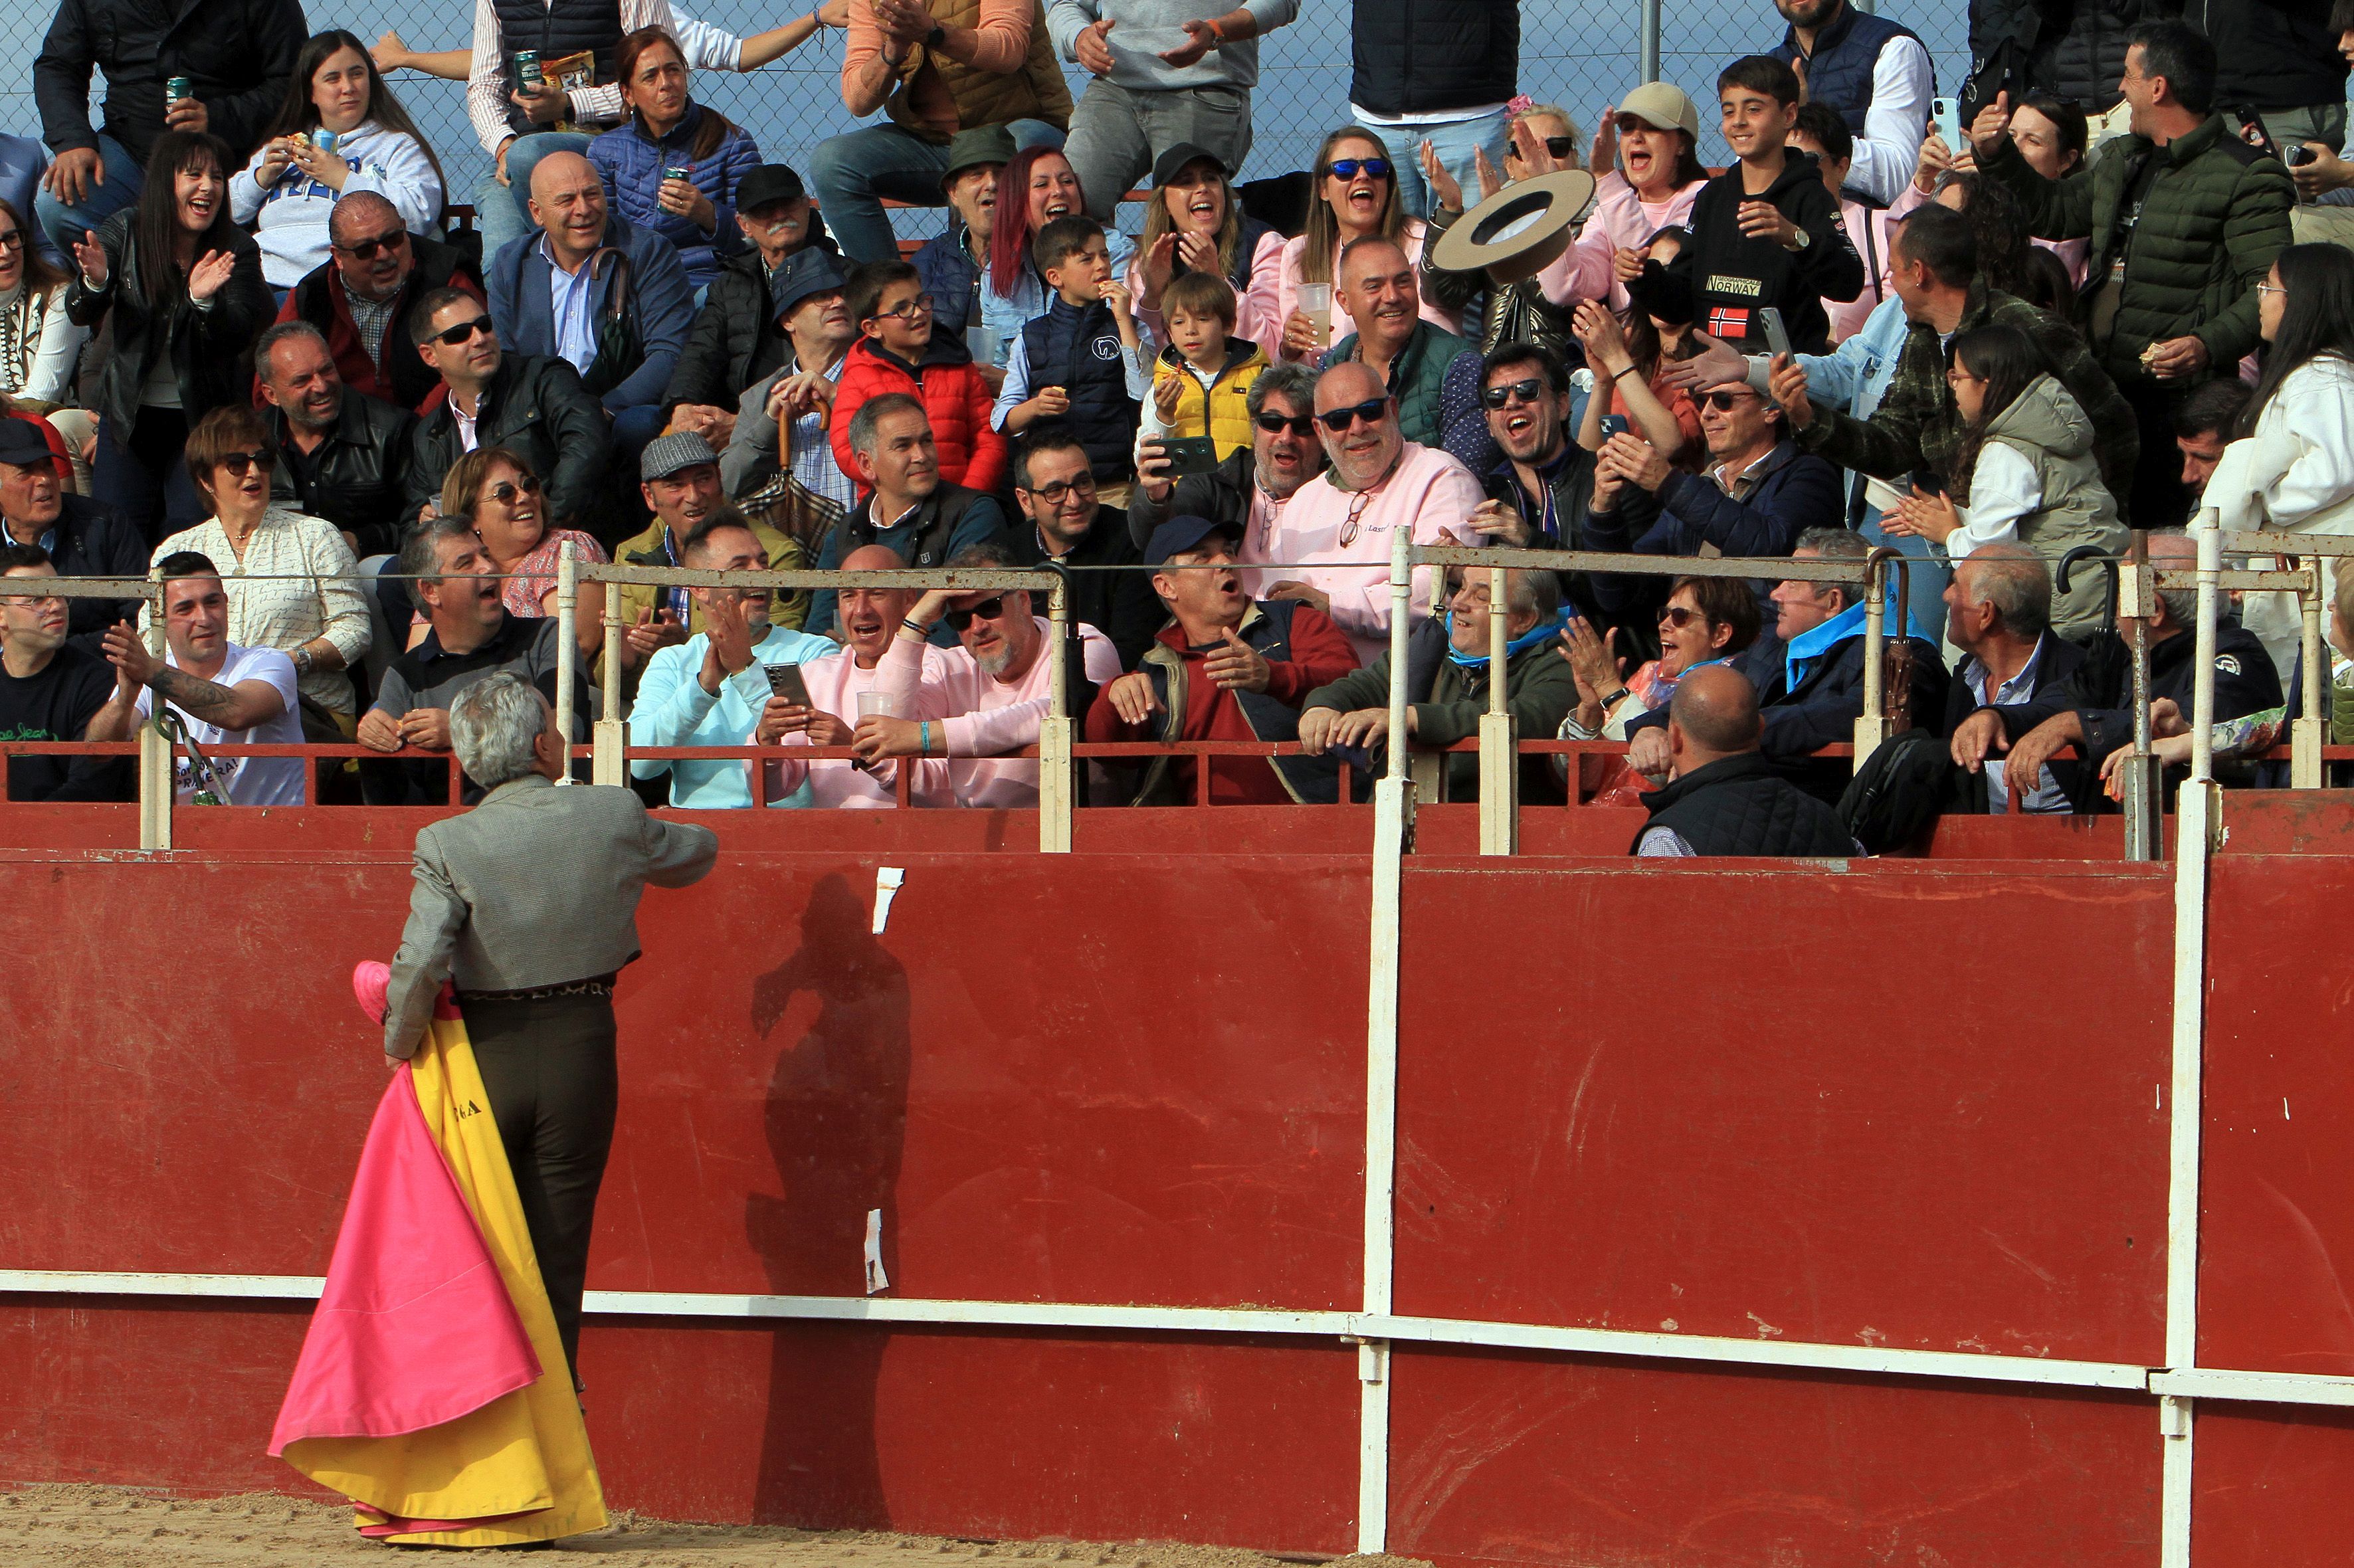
(2013, 579)
(493, 726)
(1837, 544)
(2182, 604)
(1293, 379)
(1525, 589)
(873, 411)
(420, 563)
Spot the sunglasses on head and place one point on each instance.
(240, 463)
(1679, 616)
(366, 249)
(1722, 400)
(455, 336)
(1275, 424)
(1371, 412)
(505, 491)
(1527, 391)
(1347, 168)
(1053, 493)
(987, 609)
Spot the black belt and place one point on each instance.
(596, 985)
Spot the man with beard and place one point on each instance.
(341, 456)
(1249, 489)
(1056, 489)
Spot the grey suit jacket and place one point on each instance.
(536, 886)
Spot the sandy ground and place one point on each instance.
(115, 1527)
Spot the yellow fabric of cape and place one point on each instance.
(521, 1462)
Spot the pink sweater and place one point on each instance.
(1431, 493)
(986, 716)
(1288, 293)
(834, 682)
(1868, 228)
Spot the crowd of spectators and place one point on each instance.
(248, 338)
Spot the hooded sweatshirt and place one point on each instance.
(1731, 277)
(293, 232)
(2036, 480)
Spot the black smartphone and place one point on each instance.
(2300, 155)
(2252, 129)
(785, 681)
(1189, 454)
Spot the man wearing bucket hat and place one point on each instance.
(735, 339)
(951, 264)
(1146, 97)
(806, 295)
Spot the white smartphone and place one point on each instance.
(1948, 114)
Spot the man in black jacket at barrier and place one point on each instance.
(533, 406)
(1726, 798)
(1248, 486)
(81, 538)
(341, 456)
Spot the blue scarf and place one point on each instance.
(1512, 649)
(1800, 653)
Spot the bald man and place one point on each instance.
(1724, 796)
(1380, 289)
(551, 295)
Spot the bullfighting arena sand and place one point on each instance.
(115, 1527)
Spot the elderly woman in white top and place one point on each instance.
(2295, 471)
(290, 576)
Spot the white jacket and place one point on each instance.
(2296, 474)
(294, 212)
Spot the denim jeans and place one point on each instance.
(1458, 141)
(1117, 131)
(123, 181)
(500, 212)
(853, 174)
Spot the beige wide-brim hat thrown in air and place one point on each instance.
(1518, 231)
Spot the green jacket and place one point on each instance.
(1539, 689)
(2216, 214)
(1417, 376)
(2045, 426)
(788, 610)
(1917, 425)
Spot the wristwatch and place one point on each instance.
(937, 36)
(1803, 240)
(302, 657)
(1614, 699)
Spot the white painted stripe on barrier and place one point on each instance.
(2272, 1388)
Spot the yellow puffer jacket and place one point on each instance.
(1219, 411)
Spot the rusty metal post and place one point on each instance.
(1054, 781)
(2309, 730)
(2137, 601)
(1499, 773)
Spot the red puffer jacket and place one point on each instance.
(972, 454)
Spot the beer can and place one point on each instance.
(527, 67)
(177, 88)
(323, 140)
(675, 172)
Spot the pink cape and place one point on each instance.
(415, 1327)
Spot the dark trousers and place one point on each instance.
(2159, 499)
(144, 477)
(548, 1066)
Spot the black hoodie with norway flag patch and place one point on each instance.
(1731, 277)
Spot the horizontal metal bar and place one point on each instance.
(1880, 1359)
(2279, 542)
(84, 588)
(961, 579)
(1781, 568)
(2235, 577)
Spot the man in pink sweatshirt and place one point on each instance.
(996, 688)
(869, 619)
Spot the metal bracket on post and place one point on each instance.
(2137, 605)
(155, 788)
(610, 741)
(1055, 783)
(2309, 730)
(567, 643)
(1499, 773)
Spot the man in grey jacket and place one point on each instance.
(1165, 71)
(528, 902)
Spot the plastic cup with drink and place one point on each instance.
(1316, 304)
(876, 705)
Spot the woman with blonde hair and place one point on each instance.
(1356, 194)
(495, 490)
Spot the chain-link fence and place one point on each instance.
(1580, 54)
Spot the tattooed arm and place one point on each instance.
(241, 706)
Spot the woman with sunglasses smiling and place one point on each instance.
(186, 294)
(495, 490)
(39, 343)
(1356, 194)
(1707, 621)
(290, 576)
(339, 130)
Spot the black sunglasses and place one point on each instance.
(1346, 168)
(1371, 412)
(987, 609)
(505, 491)
(457, 335)
(240, 463)
(1678, 615)
(366, 249)
(1722, 400)
(1527, 391)
(1275, 424)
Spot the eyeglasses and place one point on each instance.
(2261, 288)
(505, 491)
(1680, 617)
(1275, 424)
(1372, 412)
(453, 336)
(1053, 494)
(1527, 391)
(921, 305)
(1346, 168)
(240, 463)
(1722, 400)
(987, 609)
(366, 249)
(14, 241)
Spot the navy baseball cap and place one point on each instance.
(21, 444)
(810, 270)
(1179, 535)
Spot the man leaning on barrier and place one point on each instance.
(710, 689)
(1225, 667)
(1726, 797)
(1446, 686)
(472, 637)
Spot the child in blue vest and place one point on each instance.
(1082, 362)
